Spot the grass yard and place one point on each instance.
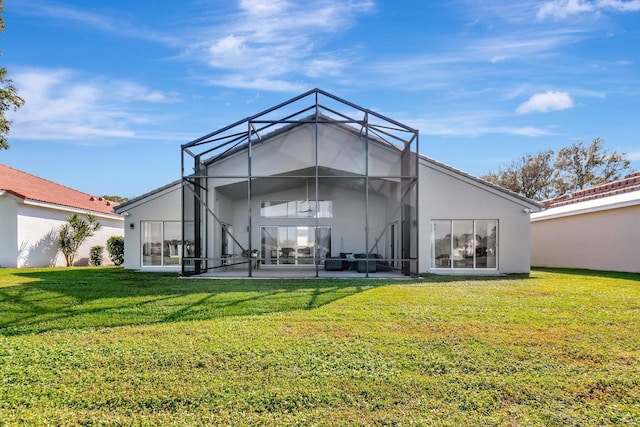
(104, 346)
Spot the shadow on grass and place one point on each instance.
(438, 278)
(593, 273)
(106, 297)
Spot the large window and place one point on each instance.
(295, 245)
(296, 209)
(464, 244)
(161, 243)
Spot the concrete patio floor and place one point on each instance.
(297, 273)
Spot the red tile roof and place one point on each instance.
(629, 183)
(31, 187)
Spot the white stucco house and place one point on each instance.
(595, 228)
(319, 186)
(32, 209)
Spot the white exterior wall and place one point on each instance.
(447, 195)
(8, 230)
(444, 194)
(165, 205)
(37, 237)
(294, 150)
(603, 240)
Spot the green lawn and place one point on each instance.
(104, 346)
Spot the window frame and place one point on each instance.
(316, 259)
(451, 265)
(162, 264)
(297, 208)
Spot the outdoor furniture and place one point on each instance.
(365, 266)
(359, 262)
(333, 264)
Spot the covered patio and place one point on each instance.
(313, 187)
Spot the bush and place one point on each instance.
(115, 247)
(95, 255)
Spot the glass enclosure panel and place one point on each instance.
(325, 209)
(190, 205)
(291, 150)
(151, 243)
(409, 228)
(384, 210)
(441, 250)
(172, 243)
(324, 244)
(283, 245)
(269, 250)
(189, 239)
(305, 244)
(486, 234)
(276, 209)
(287, 245)
(384, 158)
(462, 243)
(340, 152)
(347, 196)
(296, 209)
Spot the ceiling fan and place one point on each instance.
(306, 201)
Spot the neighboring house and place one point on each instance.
(32, 209)
(597, 228)
(303, 187)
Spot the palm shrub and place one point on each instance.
(73, 233)
(115, 248)
(95, 255)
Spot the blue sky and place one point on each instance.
(113, 88)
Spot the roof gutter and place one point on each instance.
(114, 216)
(597, 205)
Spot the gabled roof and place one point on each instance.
(321, 118)
(32, 188)
(532, 203)
(628, 184)
(305, 121)
(156, 192)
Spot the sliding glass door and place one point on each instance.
(295, 245)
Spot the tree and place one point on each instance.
(531, 175)
(116, 199)
(73, 234)
(9, 99)
(583, 166)
(540, 176)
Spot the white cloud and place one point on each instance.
(325, 67)
(62, 105)
(528, 131)
(272, 41)
(561, 9)
(547, 101)
(263, 7)
(620, 5)
(634, 155)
